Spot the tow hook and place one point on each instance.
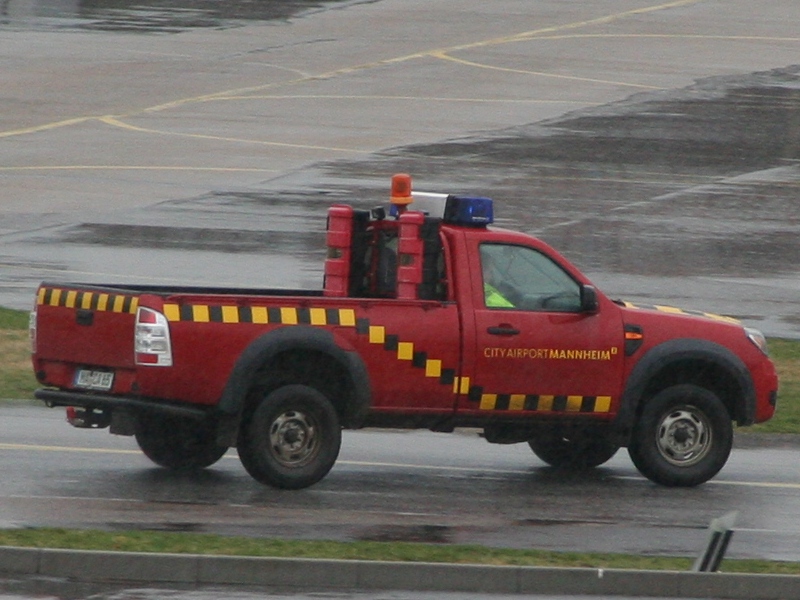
(88, 418)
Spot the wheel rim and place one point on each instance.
(684, 436)
(293, 438)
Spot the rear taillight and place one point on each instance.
(152, 342)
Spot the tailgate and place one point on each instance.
(84, 325)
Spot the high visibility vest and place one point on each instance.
(494, 299)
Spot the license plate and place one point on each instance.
(94, 380)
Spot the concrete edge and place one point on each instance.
(315, 574)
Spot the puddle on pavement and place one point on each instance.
(422, 534)
(696, 182)
(253, 223)
(699, 182)
(152, 16)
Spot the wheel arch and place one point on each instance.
(297, 354)
(689, 360)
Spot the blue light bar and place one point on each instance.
(468, 210)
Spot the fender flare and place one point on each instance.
(268, 346)
(672, 352)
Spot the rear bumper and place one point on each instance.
(110, 403)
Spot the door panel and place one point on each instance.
(537, 351)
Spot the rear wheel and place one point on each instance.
(683, 437)
(574, 450)
(177, 443)
(292, 438)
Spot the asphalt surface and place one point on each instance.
(400, 486)
(654, 143)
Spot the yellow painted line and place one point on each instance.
(397, 98)
(759, 484)
(488, 469)
(134, 168)
(427, 53)
(379, 63)
(534, 33)
(493, 471)
(73, 449)
(45, 127)
(754, 484)
(116, 122)
(40, 448)
(446, 56)
(672, 36)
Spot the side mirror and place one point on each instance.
(589, 303)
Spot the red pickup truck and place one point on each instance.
(429, 317)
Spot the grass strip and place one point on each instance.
(210, 544)
(16, 373)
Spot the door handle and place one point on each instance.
(503, 330)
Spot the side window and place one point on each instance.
(525, 279)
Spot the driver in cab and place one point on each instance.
(492, 279)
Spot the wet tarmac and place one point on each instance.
(684, 195)
(65, 590)
(698, 182)
(666, 191)
(698, 186)
(149, 16)
(686, 192)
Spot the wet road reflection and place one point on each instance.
(150, 16)
(697, 188)
(701, 182)
(678, 196)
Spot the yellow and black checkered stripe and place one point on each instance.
(540, 403)
(262, 315)
(87, 300)
(291, 315)
(403, 351)
(680, 311)
(343, 317)
(377, 335)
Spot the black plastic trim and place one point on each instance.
(298, 337)
(669, 353)
(92, 400)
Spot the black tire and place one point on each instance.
(578, 450)
(177, 443)
(292, 438)
(683, 436)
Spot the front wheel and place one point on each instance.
(574, 450)
(683, 436)
(291, 439)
